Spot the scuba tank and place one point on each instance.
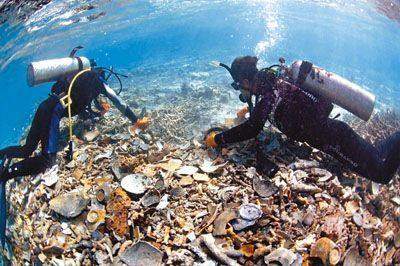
(337, 89)
(54, 69)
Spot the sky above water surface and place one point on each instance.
(163, 43)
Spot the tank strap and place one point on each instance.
(305, 68)
(80, 63)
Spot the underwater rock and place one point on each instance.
(142, 254)
(70, 204)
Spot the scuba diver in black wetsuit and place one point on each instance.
(45, 125)
(303, 116)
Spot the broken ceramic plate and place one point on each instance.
(142, 254)
(50, 177)
(91, 135)
(284, 257)
(264, 188)
(208, 167)
(222, 220)
(70, 204)
(172, 165)
(303, 164)
(240, 224)
(151, 197)
(135, 183)
(187, 170)
(201, 177)
(163, 202)
(186, 181)
(106, 155)
(250, 211)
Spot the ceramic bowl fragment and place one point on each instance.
(142, 253)
(284, 257)
(250, 211)
(264, 188)
(151, 197)
(135, 183)
(187, 170)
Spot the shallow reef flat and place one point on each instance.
(161, 197)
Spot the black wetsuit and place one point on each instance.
(303, 117)
(46, 123)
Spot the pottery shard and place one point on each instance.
(70, 204)
(283, 256)
(172, 165)
(142, 254)
(187, 170)
(91, 135)
(264, 188)
(201, 177)
(135, 183)
(222, 220)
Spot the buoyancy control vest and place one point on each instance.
(295, 110)
(85, 89)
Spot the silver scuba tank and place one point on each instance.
(339, 90)
(53, 69)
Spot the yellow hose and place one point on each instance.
(70, 101)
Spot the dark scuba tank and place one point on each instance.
(337, 89)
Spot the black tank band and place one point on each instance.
(80, 63)
(305, 68)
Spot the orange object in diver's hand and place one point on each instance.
(143, 123)
(242, 112)
(210, 140)
(105, 107)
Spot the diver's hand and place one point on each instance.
(210, 140)
(241, 114)
(143, 123)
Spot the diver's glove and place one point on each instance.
(143, 123)
(105, 107)
(210, 140)
(241, 114)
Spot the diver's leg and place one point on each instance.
(390, 150)
(344, 144)
(30, 166)
(32, 140)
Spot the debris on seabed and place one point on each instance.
(139, 199)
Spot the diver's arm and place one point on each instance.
(250, 128)
(119, 103)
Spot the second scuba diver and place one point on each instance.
(87, 85)
(304, 116)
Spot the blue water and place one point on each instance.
(162, 43)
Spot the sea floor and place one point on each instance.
(161, 197)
